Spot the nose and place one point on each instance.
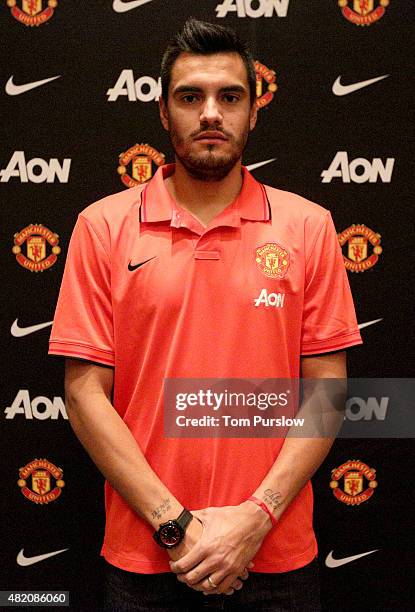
(210, 112)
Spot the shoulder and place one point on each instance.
(109, 215)
(294, 206)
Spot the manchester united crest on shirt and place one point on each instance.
(353, 482)
(32, 12)
(272, 259)
(40, 481)
(363, 12)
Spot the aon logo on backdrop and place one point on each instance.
(36, 170)
(253, 8)
(38, 408)
(359, 170)
(144, 89)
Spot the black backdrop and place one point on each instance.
(308, 44)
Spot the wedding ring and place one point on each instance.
(212, 584)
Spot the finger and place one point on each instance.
(237, 585)
(229, 592)
(189, 560)
(244, 575)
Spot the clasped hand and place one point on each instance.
(228, 539)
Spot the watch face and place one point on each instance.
(170, 534)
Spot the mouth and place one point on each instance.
(211, 137)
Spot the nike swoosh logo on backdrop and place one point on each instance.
(25, 561)
(331, 563)
(259, 164)
(362, 325)
(132, 268)
(343, 90)
(19, 332)
(120, 6)
(15, 90)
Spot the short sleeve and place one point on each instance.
(83, 322)
(329, 318)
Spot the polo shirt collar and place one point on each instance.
(158, 205)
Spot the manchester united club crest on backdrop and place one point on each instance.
(141, 157)
(353, 482)
(272, 259)
(363, 12)
(40, 481)
(32, 12)
(36, 238)
(358, 238)
(264, 93)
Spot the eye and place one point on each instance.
(189, 98)
(231, 98)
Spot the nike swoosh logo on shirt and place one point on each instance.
(362, 325)
(132, 268)
(19, 332)
(343, 90)
(331, 563)
(15, 90)
(25, 561)
(120, 6)
(259, 164)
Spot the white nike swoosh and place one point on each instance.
(25, 561)
(19, 332)
(120, 6)
(343, 90)
(15, 90)
(330, 562)
(259, 164)
(362, 325)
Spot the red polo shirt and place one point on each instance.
(150, 291)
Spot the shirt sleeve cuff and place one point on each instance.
(332, 344)
(66, 348)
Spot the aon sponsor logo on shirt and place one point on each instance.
(359, 170)
(253, 8)
(275, 300)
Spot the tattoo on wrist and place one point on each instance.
(162, 509)
(273, 498)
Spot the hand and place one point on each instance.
(231, 537)
(192, 535)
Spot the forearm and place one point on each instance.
(117, 455)
(298, 460)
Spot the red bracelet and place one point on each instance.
(262, 505)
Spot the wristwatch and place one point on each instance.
(170, 534)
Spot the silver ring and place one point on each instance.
(212, 584)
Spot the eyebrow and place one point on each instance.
(195, 89)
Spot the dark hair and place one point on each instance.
(201, 37)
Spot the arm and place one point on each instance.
(242, 528)
(300, 457)
(114, 450)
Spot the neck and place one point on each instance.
(204, 199)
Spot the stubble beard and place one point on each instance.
(209, 165)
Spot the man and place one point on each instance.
(163, 282)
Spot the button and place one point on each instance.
(207, 255)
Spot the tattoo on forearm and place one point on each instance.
(273, 498)
(162, 509)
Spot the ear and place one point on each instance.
(164, 115)
(253, 115)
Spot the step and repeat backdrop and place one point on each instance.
(79, 91)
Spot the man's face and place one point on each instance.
(209, 114)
